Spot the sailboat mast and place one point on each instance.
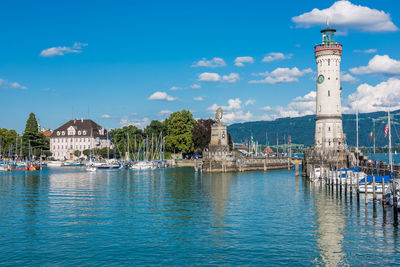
(390, 144)
(108, 147)
(374, 135)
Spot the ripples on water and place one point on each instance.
(176, 217)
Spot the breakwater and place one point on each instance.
(236, 162)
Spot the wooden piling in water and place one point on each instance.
(383, 192)
(366, 190)
(345, 183)
(358, 186)
(373, 189)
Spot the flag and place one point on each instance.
(372, 131)
(386, 129)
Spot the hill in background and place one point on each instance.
(301, 129)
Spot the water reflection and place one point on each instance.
(330, 225)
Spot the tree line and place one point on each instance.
(31, 143)
(180, 133)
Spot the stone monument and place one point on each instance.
(219, 134)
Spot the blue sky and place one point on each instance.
(120, 61)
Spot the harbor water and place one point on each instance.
(66, 216)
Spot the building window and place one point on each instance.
(71, 146)
(58, 133)
(329, 129)
(63, 133)
(84, 132)
(329, 62)
(329, 93)
(79, 132)
(319, 108)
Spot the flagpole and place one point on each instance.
(374, 135)
(357, 153)
(390, 144)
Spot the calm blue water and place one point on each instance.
(174, 217)
(385, 157)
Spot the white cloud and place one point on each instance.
(366, 51)
(62, 50)
(347, 78)
(281, 75)
(161, 96)
(346, 15)
(174, 88)
(239, 61)
(140, 123)
(106, 116)
(199, 98)
(232, 105)
(215, 77)
(11, 85)
(275, 56)
(231, 78)
(370, 98)
(266, 108)
(300, 106)
(209, 77)
(195, 86)
(379, 64)
(251, 101)
(237, 116)
(233, 111)
(164, 112)
(212, 63)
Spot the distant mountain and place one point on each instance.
(301, 129)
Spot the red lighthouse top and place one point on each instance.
(328, 41)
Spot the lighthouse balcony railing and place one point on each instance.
(321, 47)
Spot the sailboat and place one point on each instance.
(381, 181)
(110, 164)
(90, 166)
(393, 192)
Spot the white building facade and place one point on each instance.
(77, 135)
(328, 120)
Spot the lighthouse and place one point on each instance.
(328, 119)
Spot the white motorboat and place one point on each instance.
(91, 168)
(55, 163)
(143, 165)
(379, 185)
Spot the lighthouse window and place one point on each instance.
(329, 93)
(329, 62)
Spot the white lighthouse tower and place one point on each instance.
(328, 120)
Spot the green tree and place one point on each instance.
(34, 141)
(180, 132)
(120, 137)
(77, 153)
(155, 128)
(202, 134)
(8, 140)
